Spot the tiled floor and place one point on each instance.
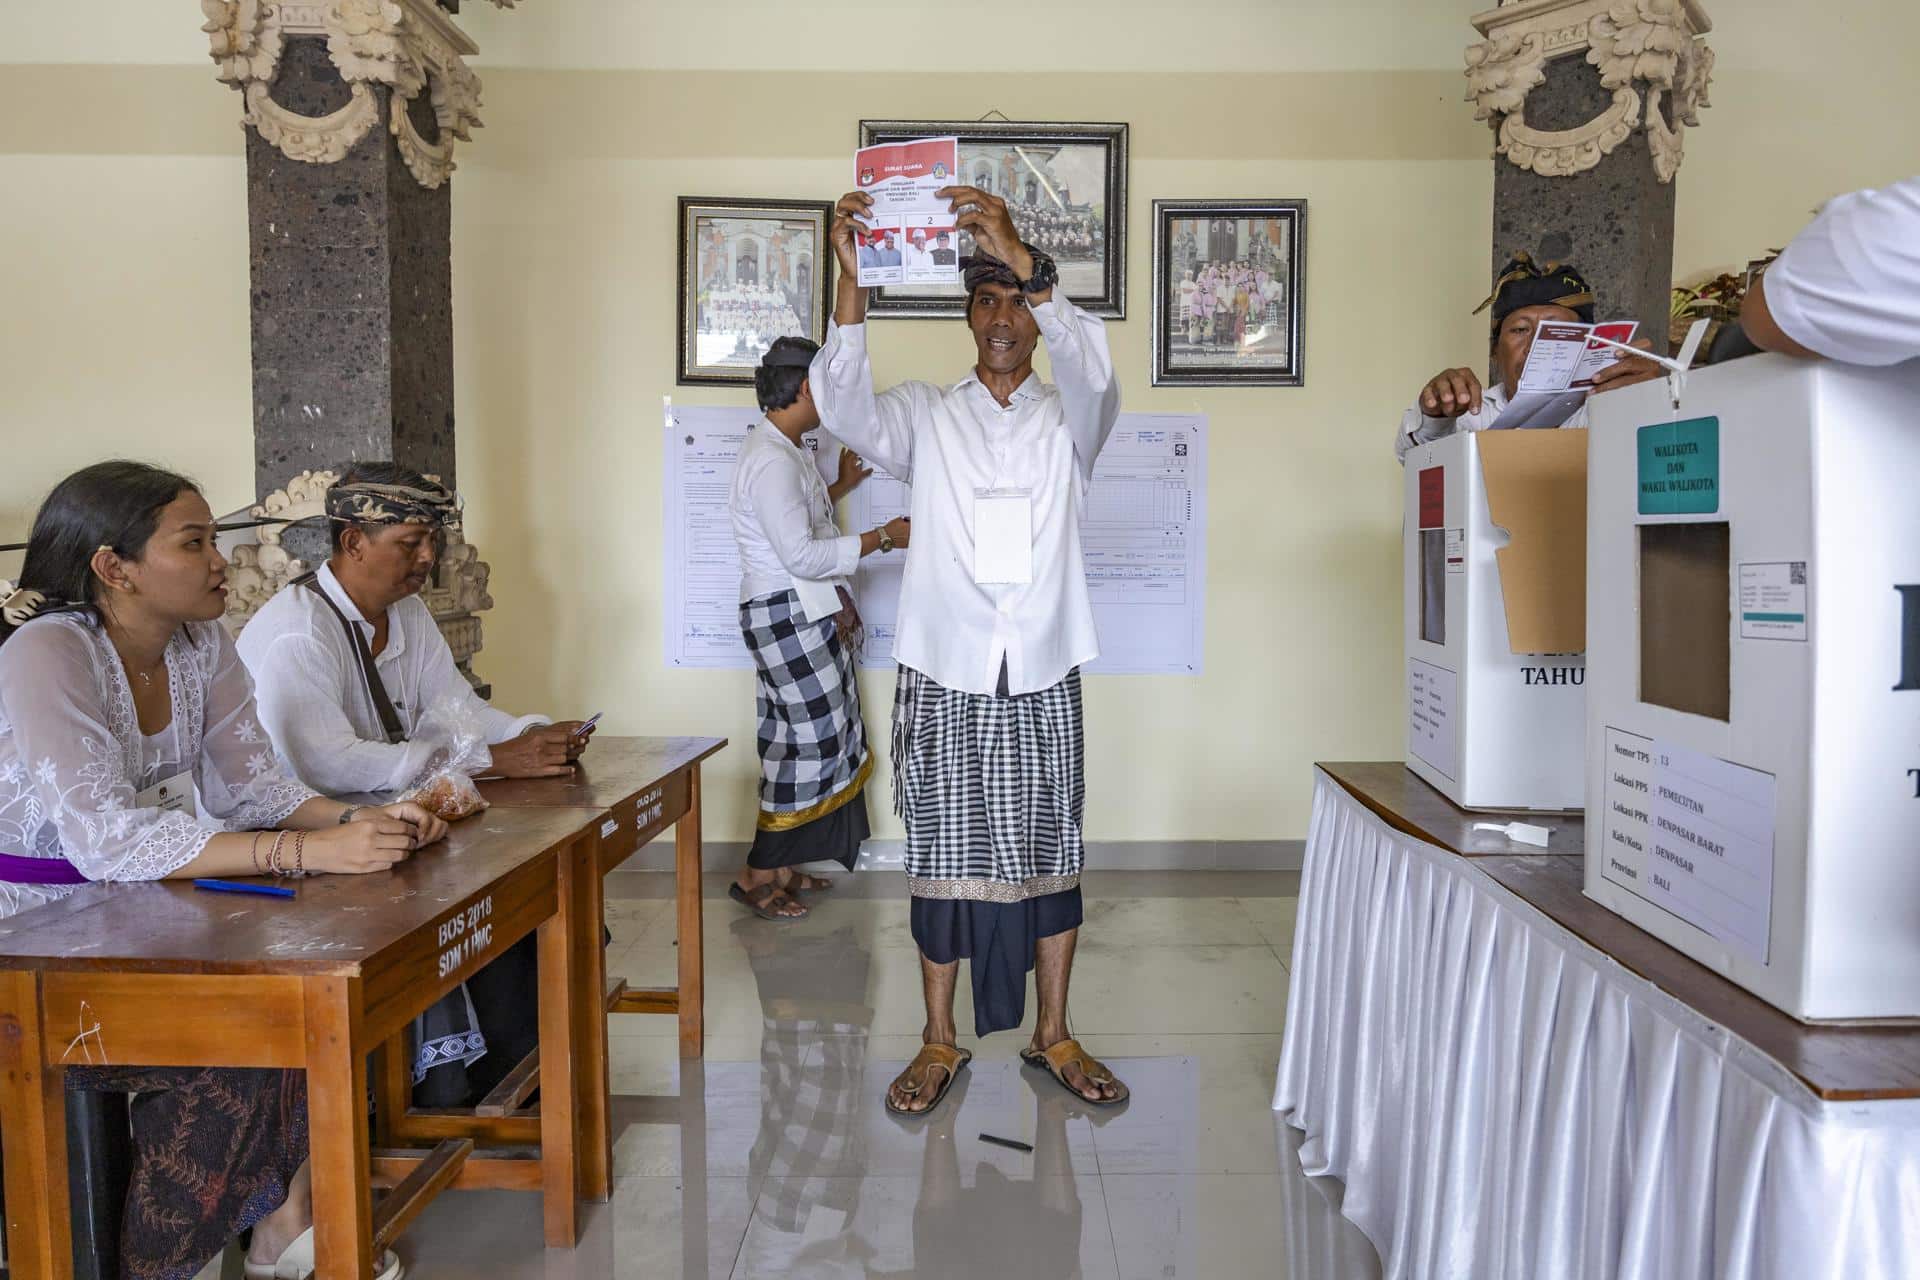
(774, 1157)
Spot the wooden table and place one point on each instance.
(645, 785)
(1839, 1063)
(165, 975)
(1409, 804)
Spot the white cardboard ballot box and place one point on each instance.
(1753, 682)
(1495, 617)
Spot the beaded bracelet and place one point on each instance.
(300, 855)
(254, 854)
(273, 854)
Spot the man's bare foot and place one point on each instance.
(1076, 1079)
(926, 1081)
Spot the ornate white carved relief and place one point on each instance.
(259, 570)
(410, 46)
(1649, 55)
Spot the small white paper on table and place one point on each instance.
(1003, 537)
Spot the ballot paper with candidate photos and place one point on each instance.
(1559, 372)
(902, 235)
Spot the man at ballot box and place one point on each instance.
(994, 624)
(1524, 297)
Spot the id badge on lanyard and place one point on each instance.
(170, 795)
(1002, 537)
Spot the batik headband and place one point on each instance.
(363, 502)
(977, 269)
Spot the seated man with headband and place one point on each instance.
(347, 663)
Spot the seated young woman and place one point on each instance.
(118, 685)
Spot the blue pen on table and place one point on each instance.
(237, 886)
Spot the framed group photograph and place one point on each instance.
(1066, 185)
(750, 271)
(1228, 285)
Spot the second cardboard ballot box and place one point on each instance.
(1496, 617)
(1753, 690)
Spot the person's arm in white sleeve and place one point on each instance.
(1417, 428)
(877, 427)
(780, 503)
(302, 693)
(1848, 286)
(1083, 370)
(238, 776)
(441, 683)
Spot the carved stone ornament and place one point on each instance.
(257, 571)
(1649, 54)
(410, 46)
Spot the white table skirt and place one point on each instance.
(1505, 1102)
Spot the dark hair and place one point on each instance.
(779, 387)
(391, 473)
(109, 504)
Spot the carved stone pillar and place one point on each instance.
(1588, 146)
(352, 110)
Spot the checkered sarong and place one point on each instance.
(992, 790)
(813, 744)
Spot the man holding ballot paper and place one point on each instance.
(1541, 384)
(994, 623)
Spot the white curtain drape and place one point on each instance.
(1504, 1102)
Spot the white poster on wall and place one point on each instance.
(1143, 534)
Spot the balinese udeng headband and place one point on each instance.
(792, 355)
(1522, 284)
(363, 502)
(977, 269)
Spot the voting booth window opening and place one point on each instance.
(1750, 745)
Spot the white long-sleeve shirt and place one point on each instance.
(73, 761)
(1417, 428)
(783, 518)
(953, 443)
(1848, 286)
(315, 703)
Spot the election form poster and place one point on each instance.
(1143, 534)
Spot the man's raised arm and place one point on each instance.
(877, 427)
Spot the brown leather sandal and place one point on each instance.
(1056, 1058)
(918, 1077)
(801, 882)
(760, 901)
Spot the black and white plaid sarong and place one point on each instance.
(992, 789)
(813, 744)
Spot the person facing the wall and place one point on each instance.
(130, 750)
(355, 685)
(803, 631)
(995, 622)
(1523, 298)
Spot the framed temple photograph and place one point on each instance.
(1228, 284)
(1066, 185)
(750, 271)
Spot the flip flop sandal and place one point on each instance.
(919, 1076)
(759, 901)
(297, 1263)
(1056, 1058)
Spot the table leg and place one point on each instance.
(590, 1017)
(337, 1130)
(33, 1125)
(686, 864)
(559, 1169)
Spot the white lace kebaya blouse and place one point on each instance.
(73, 759)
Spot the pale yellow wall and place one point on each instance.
(123, 264)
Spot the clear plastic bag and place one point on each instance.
(445, 787)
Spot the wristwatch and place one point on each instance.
(886, 539)
(1045, 274)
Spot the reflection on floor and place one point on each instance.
(774, 1156)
